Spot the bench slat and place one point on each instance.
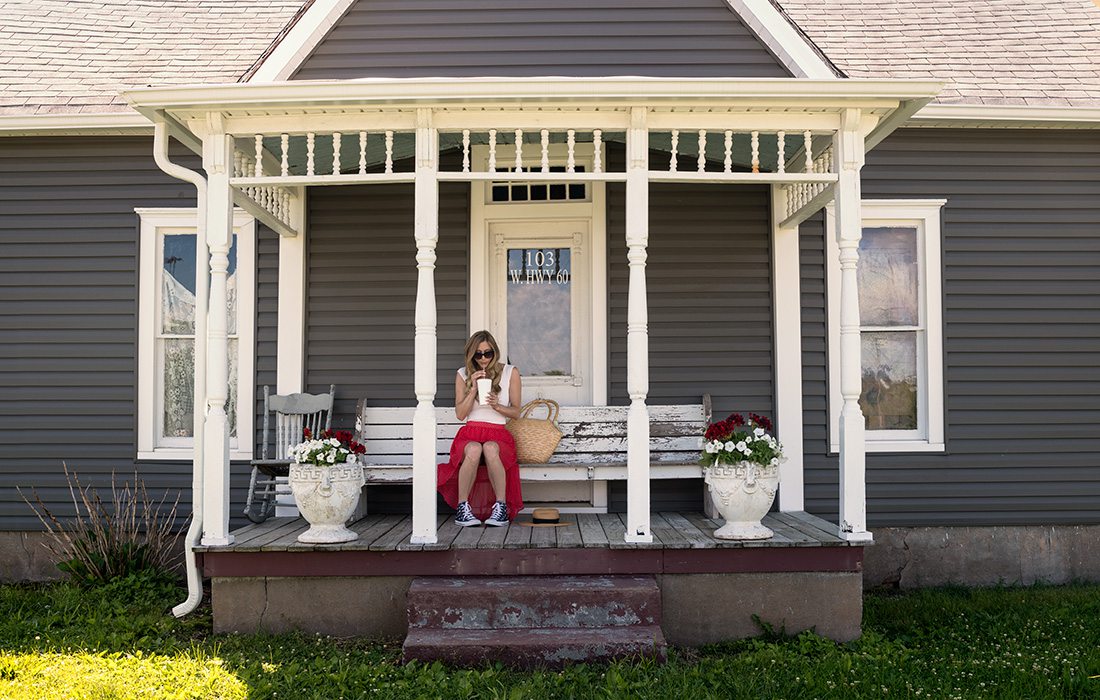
(375, 415)
(571, 446)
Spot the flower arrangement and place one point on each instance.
(330, 448)
(736, 440)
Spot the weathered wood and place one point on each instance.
(569, 536)
(544, 537)
(796, 538)
(446, 532)
(493, 537)
(269, 531)
(518, 537)
(692, 535)
(665, 534)
(615, 530)
(592, 533)
(812, 526)
(287, 538)
(707, 527)
(396, 535)
(468, 537)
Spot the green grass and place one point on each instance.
(61, 641)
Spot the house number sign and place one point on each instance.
(539, 266)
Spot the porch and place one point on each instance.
(806, 576)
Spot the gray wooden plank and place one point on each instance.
(694, 537)
(827, 529)
(591, 530)
(263, 532)
(468, 537)
(445, 533)
(569, 536)
(493, 537)
(369, 529)
(778, 539)
(266, 536)
(708, 526)
(810, 529)
(544, 537)
(287, 538)
(398, 533)
(613, 526)
(666, 534)
(796, 537)
(518, 537)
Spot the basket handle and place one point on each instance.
(552, 409)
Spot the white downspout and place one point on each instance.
(194, 531)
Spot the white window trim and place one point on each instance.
(153, 221)
(930, 401)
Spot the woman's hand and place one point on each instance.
(480, 374)
(494, 402)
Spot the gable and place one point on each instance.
(574, 38)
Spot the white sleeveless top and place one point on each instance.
(486, 414)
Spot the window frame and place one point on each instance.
(155, 223)
(925, 215)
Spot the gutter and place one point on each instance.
(194, 530)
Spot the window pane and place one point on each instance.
(888, 270)
(540, 321)
(889, 399)
(179, 387)
(177, 298)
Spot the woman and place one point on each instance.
(492, 494)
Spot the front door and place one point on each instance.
(540, 305)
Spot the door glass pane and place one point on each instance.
(888, 269)
(889, 398)
(540, 315)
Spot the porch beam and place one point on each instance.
(426, 231)
(217, 157)
(637, 331)
(849, 153)
(374, 120)
(291, 320)
(764, 122)
(483, 119)
(787, 319)
(743, 178)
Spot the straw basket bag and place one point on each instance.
(536, 438)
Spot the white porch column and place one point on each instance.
(637, 331)
(787, 317)
(849, 150)
(426, 229)
(291, 325)
(217, 160)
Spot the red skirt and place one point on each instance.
(482, 496)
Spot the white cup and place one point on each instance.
(484, 386)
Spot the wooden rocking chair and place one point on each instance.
(289, 415)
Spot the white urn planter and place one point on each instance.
(743, 493)
(326, 497)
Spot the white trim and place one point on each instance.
(295, 46)
(778, 33)
(290, 350)
(153, 221)
(1008, 116)
(926, 214)
(787, 319)
(111, 123)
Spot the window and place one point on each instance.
(166, 333)
(901, 338)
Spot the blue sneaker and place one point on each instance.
(499, 516)
(465, 517)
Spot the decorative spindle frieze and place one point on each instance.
(465, 150)
(544, 139)
(259, 165)
(519, 150)
(701, 162)
(311, 139)
(781, 152)
(284, 160)
(597, 144)
(492, 150)
(756, 151)
(727, 163)
(675, 146)
(571, 151)
(362, 153)
(336, 153)
(389, 152)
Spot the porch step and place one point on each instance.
(552, 647)
(531, 621)
(518, 602)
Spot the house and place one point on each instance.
(876, 222)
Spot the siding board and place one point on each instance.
(423, 38)
(1021, 241)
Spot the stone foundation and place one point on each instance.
(24, 558)
(922, 557)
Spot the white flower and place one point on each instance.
(711, 449)
(758, 432)
(730, 447)
(775, 462)
(741, 446)
(350, 459)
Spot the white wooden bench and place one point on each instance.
(592, 448)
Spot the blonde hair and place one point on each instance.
(495, 368)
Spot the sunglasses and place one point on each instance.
(488, 354)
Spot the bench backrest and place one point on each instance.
(591, 434)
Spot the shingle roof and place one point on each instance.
(992, 52)
(75, 56)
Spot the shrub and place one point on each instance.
(133, 533)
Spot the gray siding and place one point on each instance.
(708, 278)
(1021, 247)
(362, 293)
(461, 38)
(68, 315)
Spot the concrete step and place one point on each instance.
(534, 648)
(533, 602)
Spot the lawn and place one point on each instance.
(61, 641)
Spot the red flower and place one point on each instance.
(307, 433)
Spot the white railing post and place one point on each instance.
(637, 330)
(849, 157)
(217, 160)
(426, 229)
(787, 318)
